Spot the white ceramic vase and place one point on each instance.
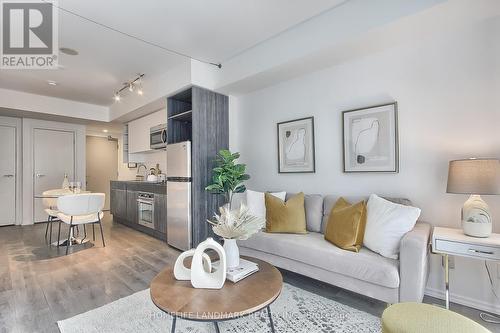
(232, 253)
(200, 278)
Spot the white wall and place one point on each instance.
(18, 100)
(124, 173)
(28, 126)
(447, 89)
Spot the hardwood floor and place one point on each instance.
(39, 285)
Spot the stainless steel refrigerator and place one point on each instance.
(179, 195)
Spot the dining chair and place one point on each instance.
(81, 209)
(50, 207)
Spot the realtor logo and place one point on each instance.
(29, 35)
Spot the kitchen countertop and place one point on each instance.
(139, 182)
(139, 186)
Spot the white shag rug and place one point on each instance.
(296, 310)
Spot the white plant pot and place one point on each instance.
(232, 253)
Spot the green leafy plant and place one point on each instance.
(228, 176)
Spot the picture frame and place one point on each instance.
(370, 139)
(296, 150)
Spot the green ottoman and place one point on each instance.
(418, 318)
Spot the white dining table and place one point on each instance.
(56, 193)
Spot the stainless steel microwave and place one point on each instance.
(158, 137)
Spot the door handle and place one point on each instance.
(39, 175)
(8, 176)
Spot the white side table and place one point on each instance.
(450, 241)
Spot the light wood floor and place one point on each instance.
(39, 285)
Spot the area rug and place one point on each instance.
(296, 310)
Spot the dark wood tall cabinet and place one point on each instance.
(201, 116)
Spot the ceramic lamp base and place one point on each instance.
(476, 217)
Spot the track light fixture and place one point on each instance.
(131, 86)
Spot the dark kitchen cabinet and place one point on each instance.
(125, 210)
(132, 206)
(118, 203)
(161, 213)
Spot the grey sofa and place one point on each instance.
(366, 272)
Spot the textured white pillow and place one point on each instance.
(386, 224)
(256, 202)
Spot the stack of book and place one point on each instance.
(235, 274)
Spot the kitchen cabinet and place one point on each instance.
(118, 203)
(125, 210)
(161, 213)
(132, 206)
(138, 131)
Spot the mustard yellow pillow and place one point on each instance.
(285, 217)
(346, 225)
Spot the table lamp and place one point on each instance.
(476, 177)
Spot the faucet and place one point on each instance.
(145, 170)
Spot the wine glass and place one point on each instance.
(78, 187)
(72, 186)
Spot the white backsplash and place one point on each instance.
(157, 157)
(150, 159)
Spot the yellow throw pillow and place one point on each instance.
(346, 225)
(286, 217)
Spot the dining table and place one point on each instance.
(55, 194)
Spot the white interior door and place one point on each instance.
(7, 175)
(53, 156)
(102, 165)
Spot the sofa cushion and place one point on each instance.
(314, 210)
(285, 217)
(386, 224)
(256, 203)
(330, 200)
(346, 225)
(313, 249)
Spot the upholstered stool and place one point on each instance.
(418, 318)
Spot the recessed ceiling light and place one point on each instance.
(105, 130)
(51, 83)
(68, 51)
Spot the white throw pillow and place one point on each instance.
(386, 224)
(256, 202)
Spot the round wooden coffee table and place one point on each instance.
(234, 300)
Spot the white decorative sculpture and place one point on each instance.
(200, 278)
(183, 273)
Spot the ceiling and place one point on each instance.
(213, 31)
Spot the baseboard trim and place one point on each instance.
(464, 300)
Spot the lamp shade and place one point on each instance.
(474, 176)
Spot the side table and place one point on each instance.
(451, 241)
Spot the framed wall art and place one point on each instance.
(371, 139)
(296, 146)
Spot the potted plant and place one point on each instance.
(228, 176)
(232, 225)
